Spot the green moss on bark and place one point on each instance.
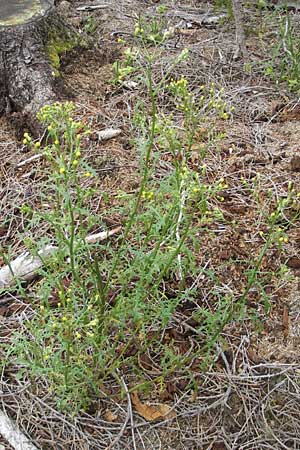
(56, 47)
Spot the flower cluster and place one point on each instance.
(147, 195)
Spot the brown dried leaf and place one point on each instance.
(110, 416)
(294, 262)
(151, 413)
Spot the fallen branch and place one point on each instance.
(13, 435)
(29, 160)
(201, 18)
(91, 7)
(25, 266)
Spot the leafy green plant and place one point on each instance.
(225, 4)
(286, 59)
(90, 25)
(98, 307)
(153, 31)
(124, 68)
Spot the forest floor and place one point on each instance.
(249, 396)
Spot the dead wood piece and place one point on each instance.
(13, 435)
(91, 7)
(29, 160)
(108, 133)
(25, 266)
(198, 19)
(97, 237)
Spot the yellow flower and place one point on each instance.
(93, 323)
(75, 163)
(150, 195)
(50, 127)
(56, 142)
(37, 144)
(88, 174)
(78, 335)
(62, 170)
(64, 318)
(77, 154)
(24, 141)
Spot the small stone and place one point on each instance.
(295, 163)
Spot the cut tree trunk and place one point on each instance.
(32, 36)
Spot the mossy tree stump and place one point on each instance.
(32, 36)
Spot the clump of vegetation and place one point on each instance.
(286, 54)
(98, 307)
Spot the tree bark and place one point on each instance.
(32, 35)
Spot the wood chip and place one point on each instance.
(108, 133)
